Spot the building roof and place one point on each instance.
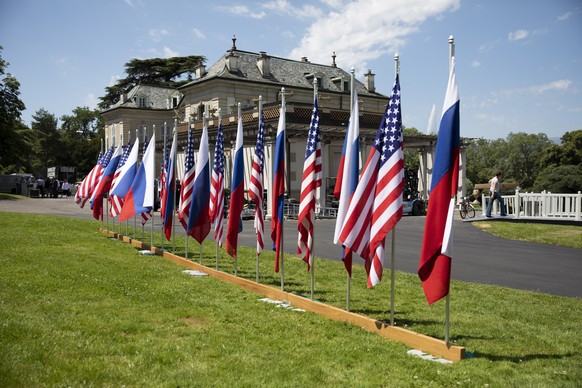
(283, 72)
(157, 97)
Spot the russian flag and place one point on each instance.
(170, 189)
(105, 183)
(237, 193)
(127, 173)
(140, 197)
(199, 218)
(434, 268)
(347, 177)
(279, 188)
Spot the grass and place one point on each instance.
(564, 235)
(11, 197)
(80, 309)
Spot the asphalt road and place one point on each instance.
(477, 257)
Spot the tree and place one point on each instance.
(567, 153)
(155, 71)
(81, 134)
(560, 179)
(48, 142)
(15, 137)
(524, 153)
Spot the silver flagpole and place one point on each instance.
(103, 142)
(349, 278)
(257, 253)
(204, 118)
(393, 250)
(189, 129)
(176, 197)
(311, 254)
(282, 252)
(152, 138)
(162, 164)
(222, 195)
(135, 217)
(448, 298)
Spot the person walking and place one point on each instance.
(495, 194)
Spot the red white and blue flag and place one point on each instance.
(376, 205)
(125, 175)
(278, 188)
(169, 192)
(310, 182)
(237, 193)
(199, 217)
(85, 191)
(104, 184)
(140, 197)
(347, 177)
(434, 268)
(256, 184)
(163, 174)
(217, 186)
(187, 181)
(115, 202)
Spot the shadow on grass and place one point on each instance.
(521, 359)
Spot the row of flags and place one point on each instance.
(370, 202)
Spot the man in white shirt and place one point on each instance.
(495, 194)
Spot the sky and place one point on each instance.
(518, 63)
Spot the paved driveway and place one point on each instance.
(478, 256)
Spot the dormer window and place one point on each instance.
(318, 77)
(142, 102)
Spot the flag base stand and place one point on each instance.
(430, 345)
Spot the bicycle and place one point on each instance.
(466, 209)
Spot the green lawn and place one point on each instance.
(80, 309)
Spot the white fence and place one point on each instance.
(540, 205)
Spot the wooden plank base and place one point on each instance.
(436, 347)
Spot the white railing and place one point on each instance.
(542, 205)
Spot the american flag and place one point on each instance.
(94, 177)
(256, 184)
(376, 205)
(145, 216)
(309, 184)
(163, 173)
(217, 186)
(81, 196)
(187, 181)
(115, 201)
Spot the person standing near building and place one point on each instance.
(40, 186)
(495, 194)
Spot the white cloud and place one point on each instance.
(559, 85)
(241, 10)
(565, 16)
(113, 80)
(91, 101)
(517, 35)
(157, 34)
(475, 64)
(169, 53)
(285, 7)
(198, 34)
(363, 30)
(486, 47)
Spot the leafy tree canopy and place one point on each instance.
(154, 71)
(560, 179)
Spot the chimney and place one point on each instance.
(304, 59)
(200, 71)
(263, 64)
(369, 81)
(232, 62)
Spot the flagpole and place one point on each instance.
(204, 117)
(256, 250)
(154, 174)
(163, 168)
(282, 242)
(393, 250)
(311, 254)
(220, 212)
(448, 297)
(174, 216)
(349, 278)
(135, 217)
